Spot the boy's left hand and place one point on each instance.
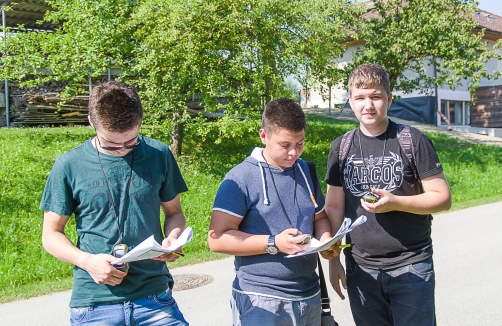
(384, 204)
(168, 257)
(332, 252)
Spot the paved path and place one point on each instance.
(467, 258)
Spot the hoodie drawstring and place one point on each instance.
(308, 186)
(265, 201)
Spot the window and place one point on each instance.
(457, 112)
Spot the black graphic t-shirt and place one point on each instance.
(393, 239)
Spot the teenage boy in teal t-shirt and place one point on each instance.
(115, 185)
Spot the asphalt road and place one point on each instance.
(468, 265)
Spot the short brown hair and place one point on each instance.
(369, 75)
(283, 113)
(115, 106)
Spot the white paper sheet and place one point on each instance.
(316, 245)
(150, 248)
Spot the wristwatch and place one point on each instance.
(271, 247)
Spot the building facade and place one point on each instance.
(442, 106)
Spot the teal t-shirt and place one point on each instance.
(76, 185)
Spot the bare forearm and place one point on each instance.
(174, 219)
(322, 228)
(58, 245)
(435, 198)
(174, 225)
(335, 207)
(336, 217)
(426, 203)
(237, 243)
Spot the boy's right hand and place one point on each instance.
(288, 241)
(102, 271)
(337, 276)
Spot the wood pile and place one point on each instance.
(44, 106)
(194, 108)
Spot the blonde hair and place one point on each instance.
(369, 75)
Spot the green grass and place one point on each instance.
(26, 270)
(473, 171)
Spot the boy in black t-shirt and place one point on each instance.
(390, 278)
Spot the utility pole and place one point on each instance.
(6, 82)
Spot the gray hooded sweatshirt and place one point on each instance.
(254, 191)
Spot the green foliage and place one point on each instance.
(472, 172)
(219, 150)
(410, 38)
(233, 55)
(91, 37)
(290, 90)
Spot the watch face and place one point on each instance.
(272, 250)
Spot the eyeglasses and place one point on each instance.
(116, 148)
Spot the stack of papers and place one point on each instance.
(316, 245)
(150, 248)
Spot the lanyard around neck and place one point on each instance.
(364, 161)
(279, 197)
(119, 224)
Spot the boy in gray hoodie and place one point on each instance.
(264, 210)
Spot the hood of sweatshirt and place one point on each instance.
(256, 158)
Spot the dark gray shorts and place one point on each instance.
(252, 310)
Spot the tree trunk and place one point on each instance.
(177, 134)
(268, 88)
(270, 62)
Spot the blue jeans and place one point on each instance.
(154, 310)
(402, 297)
(258, 310)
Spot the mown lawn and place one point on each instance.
(26, 270)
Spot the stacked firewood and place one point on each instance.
(43, 105)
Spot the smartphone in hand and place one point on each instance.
(306, 240)
(118, 251)
(371, 198)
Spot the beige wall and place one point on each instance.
(339, 95)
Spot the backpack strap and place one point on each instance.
(344, 149)
(406, 142)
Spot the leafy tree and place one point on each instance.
(409, 36)
(90, 36)
(234, 56)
